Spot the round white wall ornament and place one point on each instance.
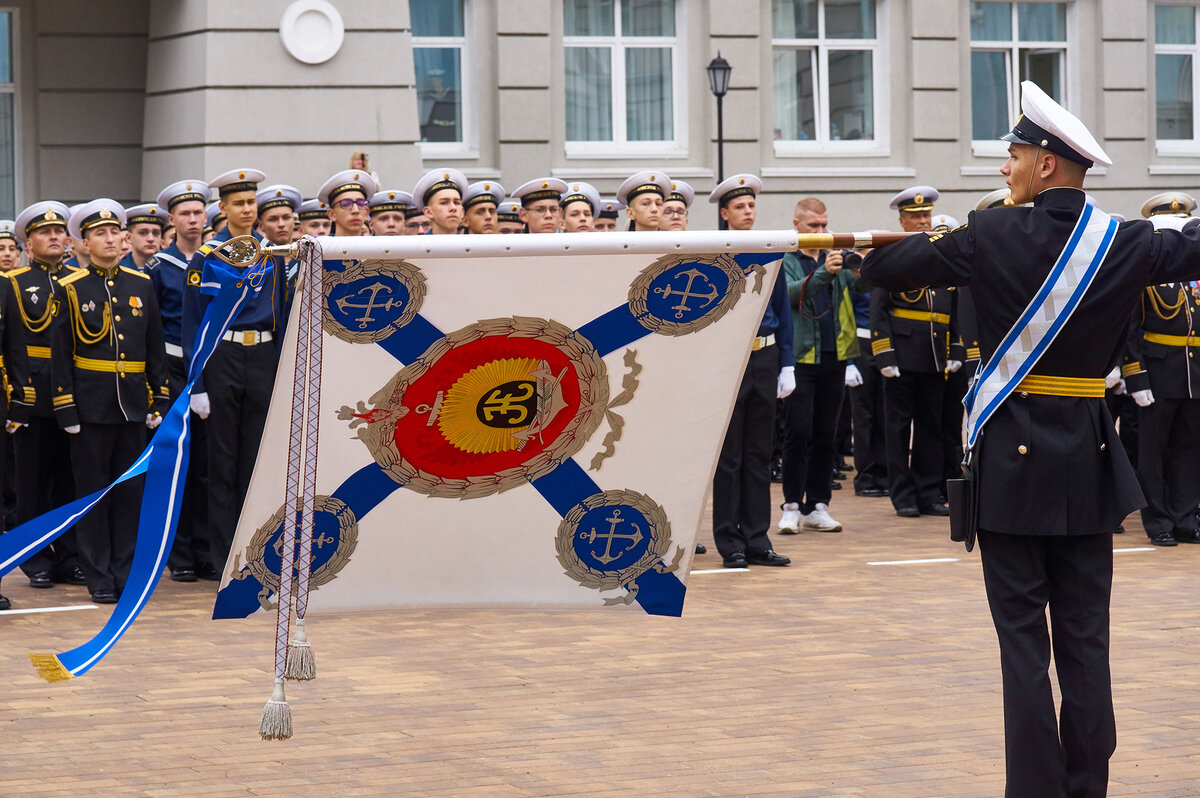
(312, 31)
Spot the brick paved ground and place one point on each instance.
(832, 677)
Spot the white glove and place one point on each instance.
(853, 376)
(13, 426)
(890, 371)
(1143, 398)
(72, 430)
(787, 382)
(953, 365)
(199, 404)
(1112, 378)
(1119, 388)
(153, 420)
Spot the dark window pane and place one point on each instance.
(795, 119)
(8, 183)
(589, 93)
(850, 19)
(851, 95)
(794, 19)
(1043, 67)
(5, 47)
(1042, 22)
(1175, 25)
(647, 17)
(991, 22)
(1173, 87)
(649, 107)
(436, 17)
(989, 95)
(588, 18)
(439, 93)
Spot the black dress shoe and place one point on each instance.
(870, 492)
(104, 597)
(41, 580)
(701, 548)
(735, 560)
(72, 577)
(767, 557)
(1191, 536)
(1163, 539)
(5, 604)
(1120, 530)
(207, 572)
(908, 512)
(937, 509)
(183, 575)
(835, 486)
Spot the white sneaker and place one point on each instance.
(820, 520)
(789, 524)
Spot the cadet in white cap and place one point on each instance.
(943, 221)
(643, 195)
(1169, 209)
(1000, 198)
(76, 249)
(580, 204)
(606, 220)
(439, 196)
(480, 204)
(1051, 477)
(675, 208)
(915, 205)
(347, 195)
(416, 223)
(110, 387)
(10, 250)
(508, 217)
(387, 212)
(237, 192)
(539, 199)
(215, 220)
(144, 225)
(277, 207)
(314, 218)
(737, 198)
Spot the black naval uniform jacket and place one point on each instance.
(42, 313)
(14, 362)
(1164, 342)
(1049, 465)
(116, 365)
(915, 330)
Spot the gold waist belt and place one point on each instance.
(1085, 387)
(111, 366)
(921, 315)
(1173, 340)
(38, 351)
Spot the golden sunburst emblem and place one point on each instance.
(498, 406)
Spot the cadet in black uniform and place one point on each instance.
(1054, 480)
(914, 339)
(957, 381)
(16, 402)
(234, 391)
(43, 479)
(116, 368)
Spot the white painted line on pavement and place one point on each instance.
(1140, 548)
(722, 571)
(914, 562)
(49, 609)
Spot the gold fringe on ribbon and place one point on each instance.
(300, 664)
(276, 720)
(49, 668)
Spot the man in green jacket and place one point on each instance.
(825, 336)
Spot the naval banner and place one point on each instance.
(509, 421)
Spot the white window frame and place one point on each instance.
(620, 147)
(469, 146)
(823, 146)
(994, 148)
(1190, 146)
(13, 88)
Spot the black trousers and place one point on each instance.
(1169, 464)
(1072, 575)
(106, 536)
(866, 410)
(43, 481)
(239, 380)
(812, 413)
(742, 485)
(952, 425)
(191, 539)
(914, 410)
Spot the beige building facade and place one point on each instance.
(848, 100)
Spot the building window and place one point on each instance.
(623, 66)
(440, 61)
(1175, 84)
(827, 67)
(8, 111)
(1012, 42)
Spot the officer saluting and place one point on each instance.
(1054, 481)
(116, 366)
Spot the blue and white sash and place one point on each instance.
(1043, 318)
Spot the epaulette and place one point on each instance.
(15, 272)
(78, 274)
(205, 250)
(127, 270)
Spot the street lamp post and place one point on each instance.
(718, 81)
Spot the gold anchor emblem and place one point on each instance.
(366, 318)
(614, 521)
(687, 293)
(509, 402)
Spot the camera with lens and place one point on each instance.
(851, 259)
